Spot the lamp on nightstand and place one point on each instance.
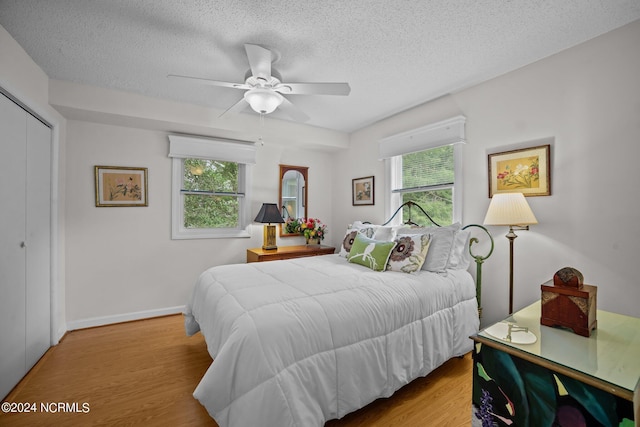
(513, 210)
(269, 213)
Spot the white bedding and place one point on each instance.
(302, 341)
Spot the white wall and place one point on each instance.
(24, 80)
(121, 262)
(588, 99)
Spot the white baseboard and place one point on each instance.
(119, 318)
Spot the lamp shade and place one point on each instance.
(269, 213)
(263, 100)
(509, 209)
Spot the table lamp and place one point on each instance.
(513, 210)
(269, 213)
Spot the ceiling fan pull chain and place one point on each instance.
(260, 140)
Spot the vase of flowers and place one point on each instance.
(312, 229)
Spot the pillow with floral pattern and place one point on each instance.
(410, 252)
(350, 236)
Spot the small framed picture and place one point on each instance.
(121, 186)
(362, 191)
(525, 171)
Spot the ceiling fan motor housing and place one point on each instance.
(253, 81)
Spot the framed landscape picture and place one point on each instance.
(121, 186)
(362, 191)
(525, 171)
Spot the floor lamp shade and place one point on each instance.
(269, 213)
(509, 209)
(512, 210)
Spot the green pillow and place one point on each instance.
(370, 253)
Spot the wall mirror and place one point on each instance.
(293, 194)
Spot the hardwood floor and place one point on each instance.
(144, 373)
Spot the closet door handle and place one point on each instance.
(23, 245)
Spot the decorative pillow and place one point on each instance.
(385, 233)
(371, 253)
(366, 229)
(347, 242)
(352, 230)
(410, 252)
(439, 247)
(460, 259)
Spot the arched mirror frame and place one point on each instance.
(305, 199)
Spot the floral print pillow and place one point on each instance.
(350, 236)
(409, 253)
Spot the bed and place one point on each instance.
(298, 342)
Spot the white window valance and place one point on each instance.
(181, 146)
(446, 132)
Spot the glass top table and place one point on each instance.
(609, 359)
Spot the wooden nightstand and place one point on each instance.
(287, 252)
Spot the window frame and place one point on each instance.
(450, 131)
(183, 147)
(179, 231)
(393, 170)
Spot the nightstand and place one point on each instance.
(287, 252)
(560, 375)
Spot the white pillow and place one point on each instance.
(366, 229)
(439, 247)
(385, 233)
(460, 259)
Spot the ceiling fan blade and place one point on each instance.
(314, 88)
(292, 111)
(236, 108)
(259, 61)
(210, 82)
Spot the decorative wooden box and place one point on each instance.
(569, 303)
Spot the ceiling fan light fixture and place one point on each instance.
(263, 100)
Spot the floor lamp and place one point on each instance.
(510, 209)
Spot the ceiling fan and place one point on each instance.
(265, 89)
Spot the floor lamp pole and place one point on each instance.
(511, 236)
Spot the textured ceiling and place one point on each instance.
(395, 54)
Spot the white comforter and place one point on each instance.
(302, 341)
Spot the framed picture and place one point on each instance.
(525, 171)
(362, 191)
(121, 186)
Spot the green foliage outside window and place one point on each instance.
(438, 205)
(425, 168)
(205, 210)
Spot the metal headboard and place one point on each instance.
(479, 259)
(409, 205)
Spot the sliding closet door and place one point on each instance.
(38, 242)
(25, 242)
(12, 238)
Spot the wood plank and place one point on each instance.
(144, 373)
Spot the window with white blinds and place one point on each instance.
(428, 178)
(424, 167)
(428, 169)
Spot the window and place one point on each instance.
(427, 178)
(424, 166)
(210, 182)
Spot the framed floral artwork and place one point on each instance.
(362, 191)
(525, 171)
(121, 186)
